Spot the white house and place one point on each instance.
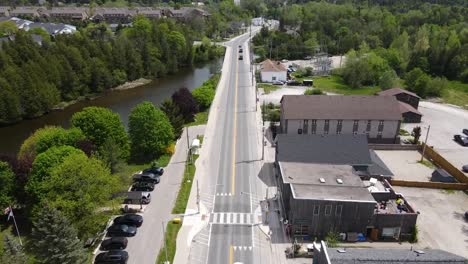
(271, 71)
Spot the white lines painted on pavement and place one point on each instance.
(223, 194)
(231, 218)
(242, 248)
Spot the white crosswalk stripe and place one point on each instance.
(231, 218)
(242, 248)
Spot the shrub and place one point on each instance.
(313, 92)
(204, 96)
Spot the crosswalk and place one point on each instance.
(232, 218)
(242, 248)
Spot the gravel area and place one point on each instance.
(404, 164)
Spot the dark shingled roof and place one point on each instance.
(404, 108)
(395, 91)
(340, 107)
(391, 256)
(343, 149)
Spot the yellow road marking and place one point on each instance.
(231, 254)
(233, 183)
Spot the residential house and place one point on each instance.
(327, 183)
(324, 255)
(185, 14)
(20, 23)
(409, 103)
(378, 117)
(4, 11)
(113, 15)
(27, 11)
(149, 12)
(271, 71)
(71, 13)
(52, 29)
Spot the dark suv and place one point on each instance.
(146, 177)
(143, 187)
(129, 219)
(114, 243)
(461, 140)
(155, 170)
(121, 230)
(113, 256)
(465, 131)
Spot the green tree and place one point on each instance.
(150, 132)
(389, 79)
(176, 119)
(416, 80)
(204, 96)
(101, 124)
(7, 185)
(313, 92)
(8, 28)
(12, 252)
(54, 240)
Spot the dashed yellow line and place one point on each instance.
(233, 182)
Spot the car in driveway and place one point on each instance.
(278, 83)
(129, 219)
(465, 131)
(155, 170)
(461, 140)
(146, 177)
(465, 168)
(121, 230)
(112, 256)
(142, 187)
(114, 243)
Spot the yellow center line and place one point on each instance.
(231, 254)
(233, 183)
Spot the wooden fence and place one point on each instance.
(436, 158)
(434, 185)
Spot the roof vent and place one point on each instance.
(341, 250)
(322, 180)
(419, 252)
(339, 181)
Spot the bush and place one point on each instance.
(313, 92)
(414, 235)
(332, 239)
(204, 96)
(170, 150)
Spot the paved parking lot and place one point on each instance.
(441, 224)
(445, 121)
(404, 164)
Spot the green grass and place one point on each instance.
(185, 187)
(336, 84)
(457, 94)
(427, 163)
(171, 237)
(404, 132)
(200, 137)
(200, 119)
(448, 191)
(268, 88)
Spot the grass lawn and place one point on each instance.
(457, 94)
(335, 84)
(171, 237)
(267, 88)
(200, 119)
(185, 187)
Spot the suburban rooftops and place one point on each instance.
(340, 107)
(395, 91)
(272, 66)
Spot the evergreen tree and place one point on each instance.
(54, 240)
(12, 252)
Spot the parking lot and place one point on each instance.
(441, 224)
(404, 164)
(445, 121)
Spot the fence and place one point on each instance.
(431, 154)
(434, 185)
(394, 147)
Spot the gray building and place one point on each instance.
(378, 117)
(331, 183)
(324, 255)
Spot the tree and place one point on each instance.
(8, 28)
(53, 238)
(7, 185)
(416, 133)
(101, 124)
(416, 81)
(12, 252)
(111, 155)
(204, 96)
(389, 79)
(150, 132)
(176, 119)
(187, 104)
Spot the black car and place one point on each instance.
(146, 177)
(114, 243)
(240, 57)
(129, 219)
(121, 230)
(465, 168)
(461, 140)
(465, 131)
(155, 170)
(294, 83)
(143, 187)
(112, 256)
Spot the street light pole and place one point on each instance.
(425, 143)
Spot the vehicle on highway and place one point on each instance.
(461, 140)
(146, 177)
(465, 168)
(278, 83)
(117, 230)
(112, 256)
(465, 131)
(114, 243)
(240, 46)
(240, 57)
(155, 170)
(240, 50)
(143, 186)
(129, 219)
(466, 215)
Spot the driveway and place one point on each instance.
(404, 164)
(440, 223)
(445, 121)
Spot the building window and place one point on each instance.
(316, 209)
(338, 210)
(339, 126)
(355, 127)
(326, 128)
(273, 78)
(368, 128)
(313, 129)
(305, 127)
(381, 125)
(328, 209)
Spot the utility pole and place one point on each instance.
(425, 143)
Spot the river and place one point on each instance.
(121, 102)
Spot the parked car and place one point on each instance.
(465, 131)
(294, 83)
(307, 58)
(465, 168)
(240, 46)
(240, 50)
(143, 187)
(155, 170)
(146, 177)
(129, 219)
(461, 140)
(112, 256)
(135, 197)
(278, 83)
(121, 230)
(114, 243)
